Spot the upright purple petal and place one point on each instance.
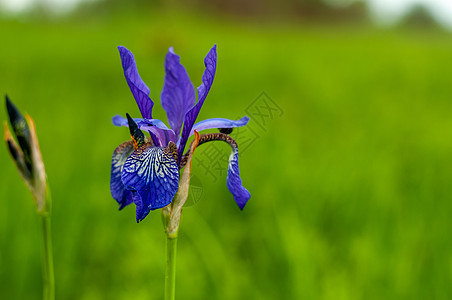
(153, 174)
(207, 79)
(233, 181)
(117, 188)
(139, 89)
(210, 61)
(178, 94)
(219, 123)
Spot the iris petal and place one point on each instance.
(233, 181)
(207, 79)
(139, 89)
(161, 134)
(178, 94)
(121, 121)
(219, 123)
(159, 129)
(117, 188)
(153, 173)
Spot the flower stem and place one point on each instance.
(170, 275)
(47, 253)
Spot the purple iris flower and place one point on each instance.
(146, 170)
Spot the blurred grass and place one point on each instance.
(350, 187)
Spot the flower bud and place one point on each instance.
(26, 154)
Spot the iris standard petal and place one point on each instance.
(117, 188)
(207, 79)
(153, 173)
(139, 89)
(178, 94)
(233, 181)
(219, 123)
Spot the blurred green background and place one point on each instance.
(350, 177)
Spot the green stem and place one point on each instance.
(49, 280)
(170, 275)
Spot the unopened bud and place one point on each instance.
(26, 154)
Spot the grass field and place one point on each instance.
(350, 178)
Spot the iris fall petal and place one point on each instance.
(234, 182)
(117, 188)
(153, 173)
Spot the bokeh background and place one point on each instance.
(347, 154)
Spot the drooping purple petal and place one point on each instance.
(153, 173)
(160, 133)
(233, 181)
(117, 188)
(139, 89)
(219, 123)
(207, 79)
(178, 94)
